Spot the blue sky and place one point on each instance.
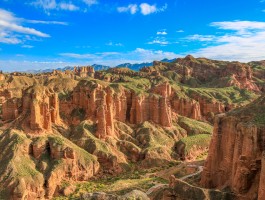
(38, 34)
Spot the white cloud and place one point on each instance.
(74, 59)
(115, 58)
(147, 9)
(90, 2)
(9, 26)
(163, 32)
(45, 22)
(163, 8)
(201, 38)
(144, 8)
(132, 8)
(12, 65)
(8, 38)
(27, 46)
(48, 5)
(12, 30)
(156, 41)
(45, 4)
(114, 44)
(68, 6)
(160, 41)
(180, 31)
(242, 27)
(245, 42)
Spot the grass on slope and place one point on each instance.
(228, 95)
(252, 113)
(194, 127)
(121, 184)
(201, 140)
(16, 164)
(137, 84)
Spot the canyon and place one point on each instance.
(62, 128)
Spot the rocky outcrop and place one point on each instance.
(187, 107)
(103, 105)
(84, 71)
(10, 109)
(43, 106)
(205, 70)
(191, 67)
(65, 163)
(151, 108)
(236, 155)
(241, 76)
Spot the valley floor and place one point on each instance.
(145, 180)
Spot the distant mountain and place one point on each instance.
(96, 67)
(136, 67)
(100, 67)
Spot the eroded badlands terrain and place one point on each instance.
(69, 134)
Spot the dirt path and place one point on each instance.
(200, 169)
(166, 173)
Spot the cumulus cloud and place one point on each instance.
(12, 30)
(147, 9)
(244, 41)
(163, 32)
(143, 8)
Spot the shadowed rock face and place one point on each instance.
(236, 155)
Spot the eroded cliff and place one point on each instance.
(236, 155)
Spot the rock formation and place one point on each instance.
(43, 106)
(84, 71)
(236, 155)
(77, 124)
